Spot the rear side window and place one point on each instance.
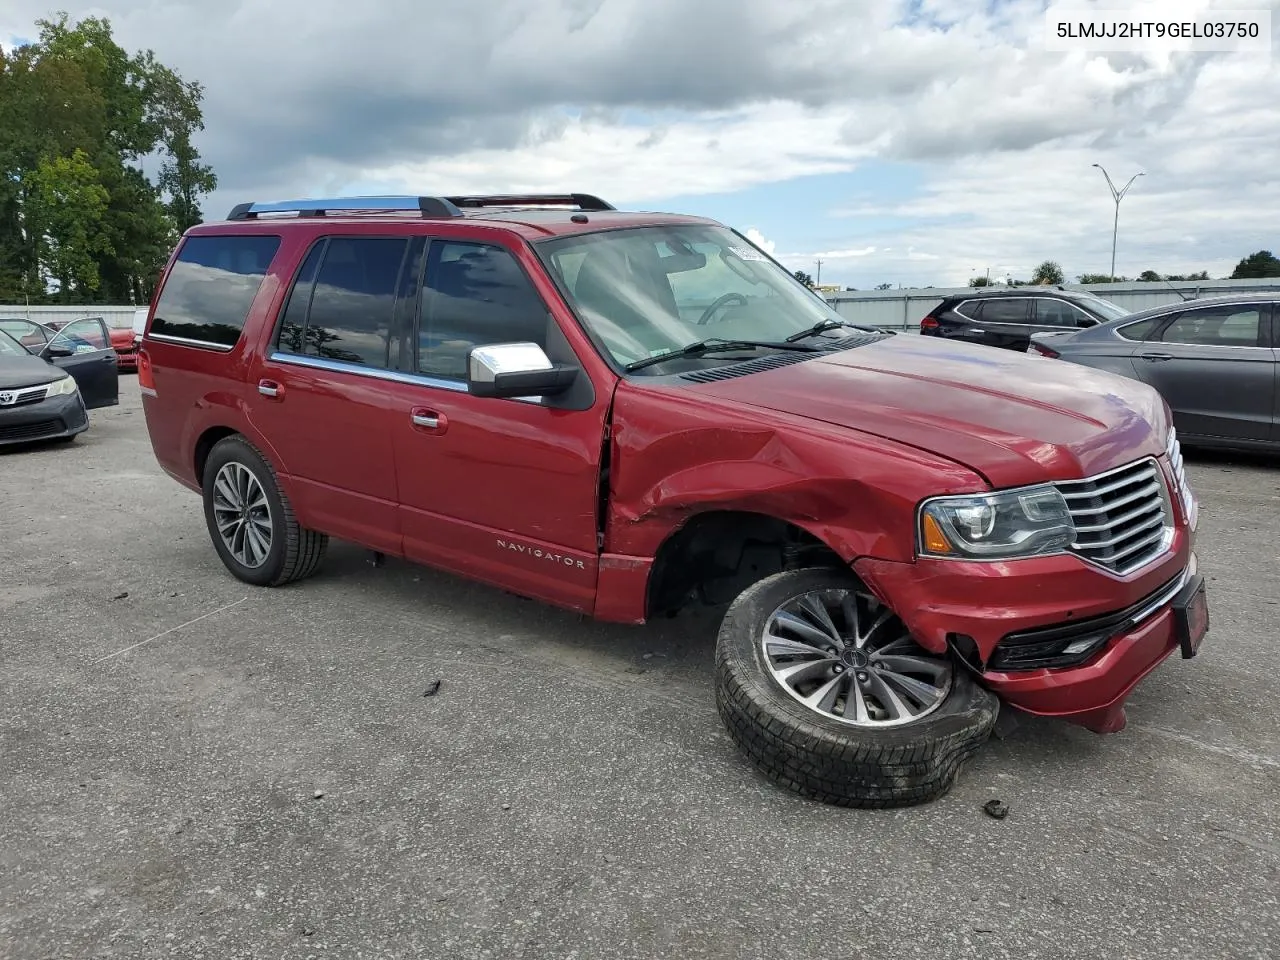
(1139, 330)
(1228, 326)
(1005, 311)
(211, 287)
(349, 284)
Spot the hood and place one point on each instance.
(19, 372)
(1013, 418)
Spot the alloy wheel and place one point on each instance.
(242, 514)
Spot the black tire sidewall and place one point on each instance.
(238, 450)
(739, 653)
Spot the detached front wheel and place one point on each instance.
(824, 689)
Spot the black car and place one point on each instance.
(1009, 316)
(46, 391)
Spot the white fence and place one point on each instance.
(903, 309)
(123, 316)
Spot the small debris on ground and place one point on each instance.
(432, 689)
(119, 596)
(996, 809)
(506, 806)
(318, 795)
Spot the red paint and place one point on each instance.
(844, 446)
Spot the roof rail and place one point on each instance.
(427, 206)
(583, 201)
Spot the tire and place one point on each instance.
(824, 758)
(293, 552)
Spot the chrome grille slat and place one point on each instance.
(1123, 517)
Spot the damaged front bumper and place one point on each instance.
(1052, 636)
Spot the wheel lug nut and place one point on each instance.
(839, 668)
(862, 676)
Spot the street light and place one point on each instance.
(1116, 195)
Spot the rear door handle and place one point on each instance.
(976, 330)
(1156, 357)
(271, 389)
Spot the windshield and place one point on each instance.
(10, 347)
(647, 291)
(1105, 307)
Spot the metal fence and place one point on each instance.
(114, 315)
(903, 309)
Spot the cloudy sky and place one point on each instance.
(912, 142)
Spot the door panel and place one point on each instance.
(327, 393)
(505, 491)
(1212, 368)
(92, 362)
(1005, 322)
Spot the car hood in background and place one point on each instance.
(1012, 418)
(19, 372)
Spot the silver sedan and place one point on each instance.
(1213, 361)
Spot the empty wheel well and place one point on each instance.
(205, 445)
(715, 556)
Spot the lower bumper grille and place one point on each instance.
(1071, 644)
(32, 431)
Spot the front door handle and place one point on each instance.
(271, 389)
(976, 330)
(429, 421)
(1156, 357)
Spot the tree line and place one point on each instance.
(1256, 266)
(80, 220)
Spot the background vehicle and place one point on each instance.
(1008, 317)
(1213, 361)
(621, 413)
(81, 348)
(38, 400)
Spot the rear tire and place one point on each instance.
(871, 760)
(251, 521)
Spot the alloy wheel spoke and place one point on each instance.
(796, 625)
(924, 694)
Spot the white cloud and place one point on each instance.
(758, 238)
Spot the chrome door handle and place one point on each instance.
(268, 388)
(976, 330)
(1156, 357)
(426, 420)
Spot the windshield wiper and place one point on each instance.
(714, 343)
(822, 326)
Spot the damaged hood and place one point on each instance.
(1012, 418)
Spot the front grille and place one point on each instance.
(1122, 518)
(30, 395)
(1071, 644)
(31, 431)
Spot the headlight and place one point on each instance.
(1004, 525)
(59, 388)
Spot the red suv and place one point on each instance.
(622, 413)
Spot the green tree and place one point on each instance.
(67, 205)
(1100, 278)
(804, 278)
(1256, 266)
(1049, 272)
(1149, 276)
(979, 281)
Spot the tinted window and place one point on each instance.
(353, 300)
(211, 287)
(1232, 326)
(1004, 311)
(1059, 313)
(1140, 330)
(475, 294)
(294, 322)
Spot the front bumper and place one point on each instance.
(48, 419)
(1008, 619)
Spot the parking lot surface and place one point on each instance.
(191, 767)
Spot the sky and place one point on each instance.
(902, 142)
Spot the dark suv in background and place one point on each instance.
(1008, 317)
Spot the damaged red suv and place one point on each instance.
(624, 413)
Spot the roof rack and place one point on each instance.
(427, 207)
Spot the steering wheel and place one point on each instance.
(720, 302)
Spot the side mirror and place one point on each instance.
(55, 352)
(507, 370)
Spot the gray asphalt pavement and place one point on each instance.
(193, 768)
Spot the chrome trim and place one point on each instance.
(186, 342)
(1164, 597)
(1154, 486)
(374, 373)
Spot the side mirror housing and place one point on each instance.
(509, 370)
(55, 352)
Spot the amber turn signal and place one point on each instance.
(935, 541)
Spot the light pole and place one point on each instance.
(817, 281)
(1116, 195)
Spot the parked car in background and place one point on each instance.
(81, 347)
(1213, 361)
(39, 400)
(1007, 317)
(624, 413)
(121, 335)
(139, 325)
